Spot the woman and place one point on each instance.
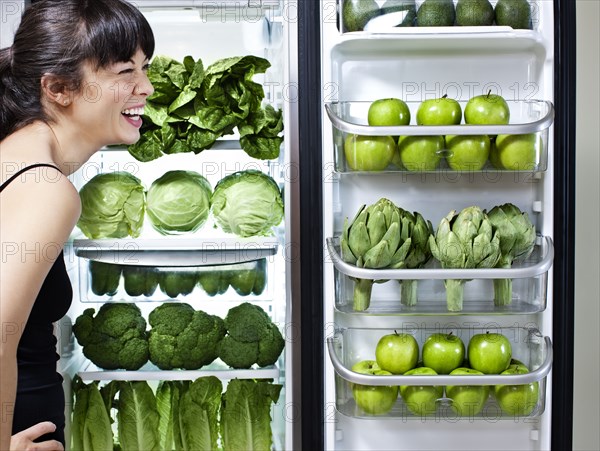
(73, 81)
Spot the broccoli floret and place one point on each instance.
(270, 347)
(182, 337)
(170, 318)
(118, 319)
(134, 353)
(82, 328)
(197, 344)
(238, 354)
(162, 351)
(247, 322)
(251, 338)
(115, 338)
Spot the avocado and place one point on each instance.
(474, 13)
(436, 13)
(392, 6)
(105, 278)
(356, 13)
(513, 13)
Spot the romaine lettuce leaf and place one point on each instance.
(198, 414)
(138, 418)
(246, 415)
(91, 428)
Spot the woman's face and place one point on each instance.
(108, 109)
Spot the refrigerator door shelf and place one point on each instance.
(532, 118)
(528, 289)
(535, 353)
(176, 251)
(404, 22)
(107, 282)
(350, 346)
(528, 296)
(491, 410)
(539, 262)
(150, 373)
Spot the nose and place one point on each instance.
(143, 85)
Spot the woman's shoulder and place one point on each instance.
(41, 187)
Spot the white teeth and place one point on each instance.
(134, 111)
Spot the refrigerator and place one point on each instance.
(209, 31)
(533, 70)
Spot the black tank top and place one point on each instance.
(36, 353)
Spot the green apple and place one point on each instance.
(369, 153)
(493, 157)
(389, 112)
(467, 400)
(443, 352)
(489, 353)
(373, 399)
(517, 363)
(420, 153)
(467, 152)
(396, 161)
(487, 109)
(518, 152)
(397, 352)
(517, 400)
(420, 400)
(365, 367)
(442, 111)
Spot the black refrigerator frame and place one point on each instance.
(311, 230)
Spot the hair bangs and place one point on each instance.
(117, 34)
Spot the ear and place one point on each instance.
(54, 90)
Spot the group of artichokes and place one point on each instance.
(384, 235)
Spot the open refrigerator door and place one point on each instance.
(219, 364)
(415, 253)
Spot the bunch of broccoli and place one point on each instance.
(251, 338)
(115, 338)
(182, 337)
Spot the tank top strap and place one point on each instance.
(26, 168)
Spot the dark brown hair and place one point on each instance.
(56, 37)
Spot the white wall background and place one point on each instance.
(586, 433)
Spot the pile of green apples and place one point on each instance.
(424, 153)
(444, 353)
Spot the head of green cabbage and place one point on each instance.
(179, 202)
(247, 203)
(112, 206)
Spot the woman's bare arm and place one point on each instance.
(37, 214)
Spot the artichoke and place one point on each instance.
(517, 239)
(415, 229)
(372, 240)
(464, 241)
(385, 236)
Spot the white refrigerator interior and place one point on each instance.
(415, 64)
(209, 31)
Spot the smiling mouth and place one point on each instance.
(133, 113)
